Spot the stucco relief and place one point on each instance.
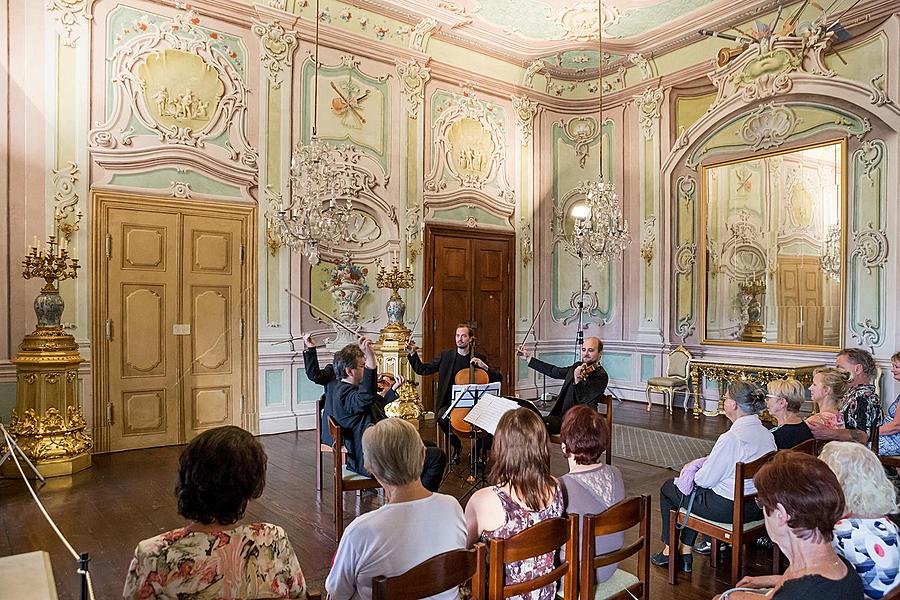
(172, 77)
(413, 78)
(525, 109)
(648, 104)
(583, 131)
(278, 48)
(70, 15)
(768, 126)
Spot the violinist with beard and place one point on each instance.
(583, 383)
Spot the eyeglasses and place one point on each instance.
(759, 504)
(774, 397)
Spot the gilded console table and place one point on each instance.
(725, 373)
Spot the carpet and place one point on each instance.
(657, 448)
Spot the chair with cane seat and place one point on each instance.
(619, 517)
(736, 533)
(676, 378)
(345, 480)
(606, 401)
(545, 537)
(435, 575)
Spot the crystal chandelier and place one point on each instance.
(316, 215)
(600, 233)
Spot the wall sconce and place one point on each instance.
(68, 220)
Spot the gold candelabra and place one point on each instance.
(51, 263)
(391, 345)
(753, 331)
(66, 225)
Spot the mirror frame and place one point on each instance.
(703, 259)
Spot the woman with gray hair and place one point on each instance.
(865, 536)
(714, 499)
(783, 401)
(413, 526)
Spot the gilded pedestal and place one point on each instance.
(47, 422)
(391, 346)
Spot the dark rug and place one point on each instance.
(657, 448)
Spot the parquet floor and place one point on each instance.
(128, 496)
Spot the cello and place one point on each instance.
(467, 377)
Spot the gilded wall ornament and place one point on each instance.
(525, 109)
(526, 244)
(415, 231)
(413, 78)
(648, 239)
(278, 48)
(649, 104)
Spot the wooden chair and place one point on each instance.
(437, 574)
(617, 518)
(737, 533)
(320, 408)
(808, 447)
(345, 480)
(676, 378)
(313, 596)
(546, 536)
(607, 401)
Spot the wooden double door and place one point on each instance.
(474, 282)
(171, 306)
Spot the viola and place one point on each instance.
(467, 377)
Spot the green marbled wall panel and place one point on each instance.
(275, 387)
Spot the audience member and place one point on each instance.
(524, 494)
(828, 390)
(591, 486)
(889, 432)
(355, 406)
(413, 526)
(783, 401)
(714, 499)
(862, 407)
(801, 500)
(220, 471)
(865, 536)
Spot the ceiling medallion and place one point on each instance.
(580, 22)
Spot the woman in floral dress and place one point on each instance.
(524, 495)
(216, 556)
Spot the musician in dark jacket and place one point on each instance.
(446, 365)
(354, 404)
(583, 383)
(326, 378)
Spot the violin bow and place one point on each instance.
(421, 310)
(531, 327)
(324, 314)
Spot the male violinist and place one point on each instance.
(583, 383)
(447, 364)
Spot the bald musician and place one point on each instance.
(583, 383)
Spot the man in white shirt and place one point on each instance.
(413, 526)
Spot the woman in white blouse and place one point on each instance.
(747, 440)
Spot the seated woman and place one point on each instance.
(524, 494)
(215, 556)
(412, 526)
(783, 402)
(591, 486)
(865, 536)
(889, 432)
(801, 500)
(714, 499)
(829, 387)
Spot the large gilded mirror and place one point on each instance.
(772, 257)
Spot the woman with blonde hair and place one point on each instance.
(524, 494)
(865, 536)
(829, 387)
(784, 397)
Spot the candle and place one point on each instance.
(63, 244)
(34, 243)
(394, 257)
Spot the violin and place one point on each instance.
(588, 369)
(385, 382)
(467, 377)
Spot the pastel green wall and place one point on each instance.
(7, 400)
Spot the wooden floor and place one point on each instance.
(128, 496)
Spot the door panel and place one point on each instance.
(143, 368)
(212, 381)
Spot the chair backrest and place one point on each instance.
(607, 401)
(744, 471)
(874, 432)
(806, 446)
(679, 362)
(437, 574)
(890, 461)
(546, 536)
(619, 517)
(335, 430)
(320, 407)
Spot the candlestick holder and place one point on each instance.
(391, 345)
(47, 422)
(68, 221)
(750, 290)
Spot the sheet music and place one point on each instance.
(486, 414)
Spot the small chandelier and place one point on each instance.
(600, 233)
(316, 215)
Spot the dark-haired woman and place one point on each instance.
(744, 442)
(525, 493)
(215, 556)
(591, 486)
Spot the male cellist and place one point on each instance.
(583, 383)
(446, 365)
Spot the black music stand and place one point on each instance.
(466, 396)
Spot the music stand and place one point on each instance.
(467, 396)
